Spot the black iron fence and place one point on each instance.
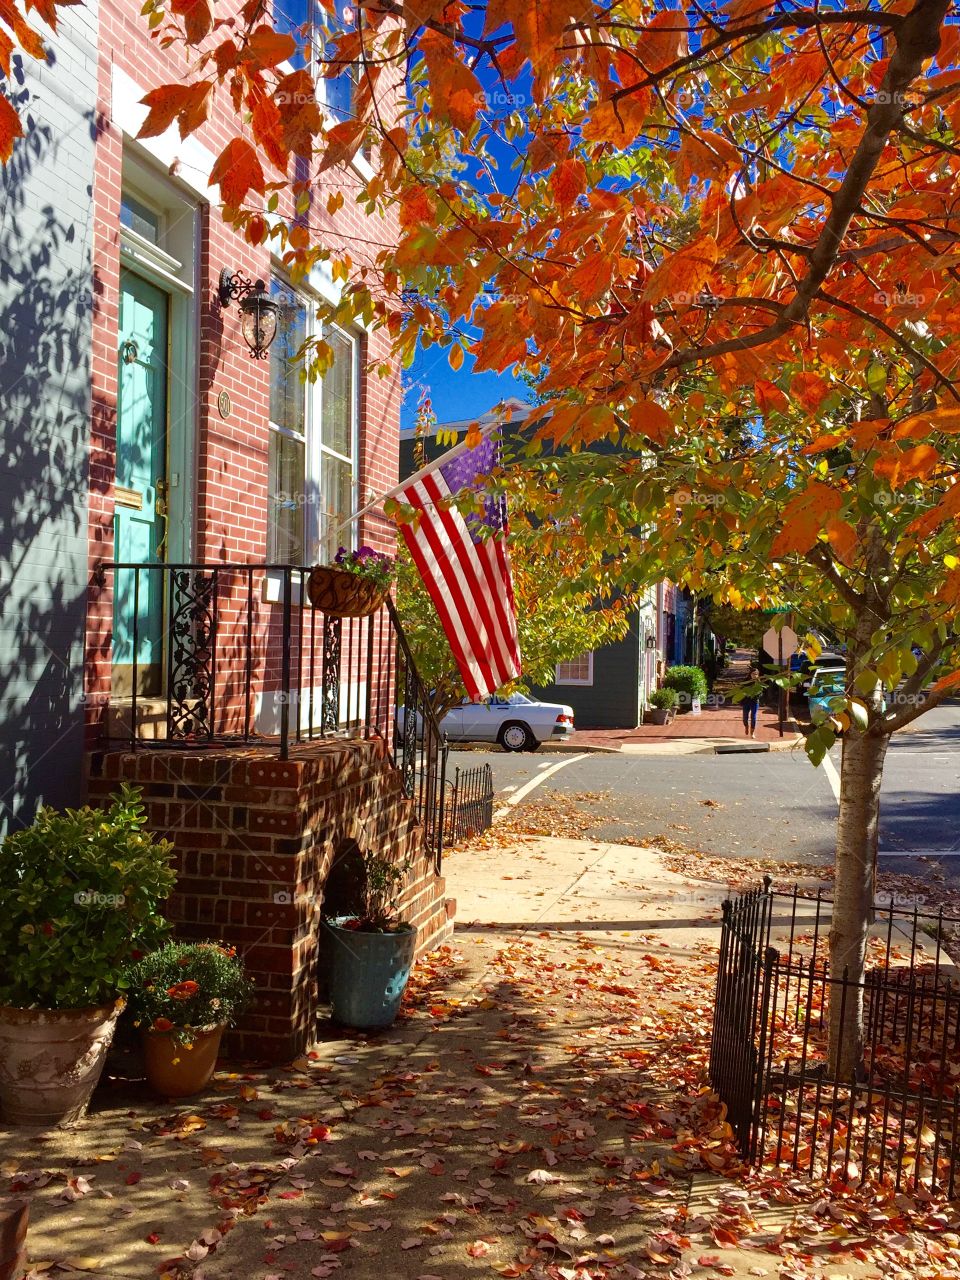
(216, 654)
(897, 1118)
(469, 803)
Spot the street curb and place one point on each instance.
(677, 747)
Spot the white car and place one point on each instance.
(517, 723)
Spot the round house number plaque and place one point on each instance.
(224, 405)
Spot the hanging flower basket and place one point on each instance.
(344, 594)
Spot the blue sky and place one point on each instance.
(464, 394)
(460, 394)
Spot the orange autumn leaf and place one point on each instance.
(842, 538)
(948, 508)
(187, 104)
(197, 18)
(10, 129)
(946, 419)
(647, 418)
(684, 272)
(568, 180)
(416, 208)
(458, 93)
(769, 397)
(822, 443)
(810, 390)
(267, 47)
(237, 170)
(341, 144)
(804, 518)
(899, 467)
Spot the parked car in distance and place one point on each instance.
(825, 683)
(825, 661)
(517, 723)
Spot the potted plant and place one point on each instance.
(690, 684)
(182, 998)
(664, 704)
(81, 892)
(355, 585)
(371, 953)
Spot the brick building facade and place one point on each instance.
(203, 457)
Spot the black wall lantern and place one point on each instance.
(258, 311)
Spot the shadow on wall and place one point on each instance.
(46, 305)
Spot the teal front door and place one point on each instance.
(141, 486)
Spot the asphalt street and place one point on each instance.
(769, 805)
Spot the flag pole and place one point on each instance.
(444, 458)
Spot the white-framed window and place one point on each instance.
(577, 671)
(314, 27)
(312, 457)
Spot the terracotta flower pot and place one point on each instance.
(50, 1062)
(344, 594)
(175, 1071)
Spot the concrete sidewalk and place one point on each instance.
(538, 1111)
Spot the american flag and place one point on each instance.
(465, 566)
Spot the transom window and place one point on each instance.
(313, 438)
(577, 671)
(139, 217)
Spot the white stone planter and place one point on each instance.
(50, 1062)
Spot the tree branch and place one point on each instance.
(918, 38)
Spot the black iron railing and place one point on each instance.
(469, 803)
(215, 654)
(897, 1119)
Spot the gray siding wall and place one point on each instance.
(46, 304)
(612, 701)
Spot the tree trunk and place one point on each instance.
(857, 830)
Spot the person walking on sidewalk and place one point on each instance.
(750, 706)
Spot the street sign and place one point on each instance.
(772, 640)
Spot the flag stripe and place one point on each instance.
(505, 575)
(489, 554)
(466, 575)
(483, 594)
(446, 559)
(427, 565)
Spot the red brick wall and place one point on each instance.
(255, 839)
(231, 482)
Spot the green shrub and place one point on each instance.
(689, 682)
(664, 699)
(185, 986)
(81, 891)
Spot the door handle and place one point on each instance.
(160, 505)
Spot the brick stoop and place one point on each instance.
(256, 838)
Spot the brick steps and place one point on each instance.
(255, 839)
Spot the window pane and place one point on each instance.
(138, 217)
(287, 393)
(337, 395)
(337, 93)
(285, 500)
(578, 671)
(336, 488)
(292, 16)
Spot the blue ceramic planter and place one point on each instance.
(368, 974)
